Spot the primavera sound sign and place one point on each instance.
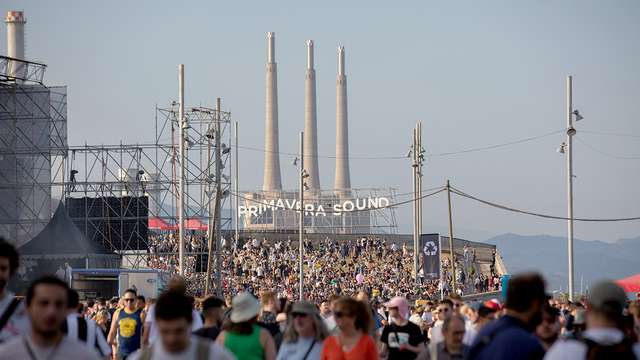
(338, 209)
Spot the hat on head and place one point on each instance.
(401, 303)
(303, 307)
(244, 307)
(605, 294)
(493, 304)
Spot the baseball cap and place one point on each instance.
(604, 294)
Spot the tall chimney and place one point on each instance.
(272, 179)
(15, 42)
(343, 179)
(311, 123)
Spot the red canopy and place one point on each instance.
(630, 284)
(156, 223)
(195, 224)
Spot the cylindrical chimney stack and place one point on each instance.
(343, 178)
(272, 179)
(311, 123)
(15, 42)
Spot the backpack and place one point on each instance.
(622, 350)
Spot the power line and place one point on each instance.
(495, 146)
(526, 212)
(614, 156)
(325, 156)
(610, 134)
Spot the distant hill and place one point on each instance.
(548, 254)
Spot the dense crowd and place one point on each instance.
(369, 263)
(52, 323)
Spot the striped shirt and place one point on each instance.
(87, 331)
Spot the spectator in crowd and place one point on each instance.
(510, 337)
(12, 311)
(444, 310)
(401, 339)
(326, 311)
(46, 308)
(451, 347)
(304, 334)
(150, 331)
(352, 342)
(242, 336)
(85, 330)
(485, 316)
(141, 302)
(634, 311)
(102, 320)
(127, 326)
(604, 338)
(270, 308)
(213, 311)
(549, 329)
(174, 314)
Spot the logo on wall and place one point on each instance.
(430, 248)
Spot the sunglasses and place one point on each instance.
(443, 310)
(300, 315)
(129, 299)
(340, 314)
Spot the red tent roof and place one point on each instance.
(195, 224)
(156, 223)
(630, 284)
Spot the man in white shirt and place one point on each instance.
(85, 330)
(13, 320)
(606, 302)
(174, 316)
(46, 307)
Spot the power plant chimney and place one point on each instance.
(343, 179)
(15, 43)
(311, 123)
(272, 179)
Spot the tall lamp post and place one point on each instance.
(183, 128)
(303, 175)
(567, 147)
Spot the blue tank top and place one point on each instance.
(129, 331)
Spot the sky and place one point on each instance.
(475, 74)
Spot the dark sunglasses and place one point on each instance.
(302, 315)
(443, 310)
(129, 299)
(340, 314)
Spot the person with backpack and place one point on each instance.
(85, 330)
(174, 316)
(13, 318)
(604, 338)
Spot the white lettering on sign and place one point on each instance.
(311, 209)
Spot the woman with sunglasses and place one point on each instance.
(352, 342)
(304, 334)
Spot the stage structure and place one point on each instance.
(365, 211)
(33, 144)
(118, 194)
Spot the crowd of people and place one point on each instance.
(382, 268)
(51, 322)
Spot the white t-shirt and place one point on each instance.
(216, 352)
(574, 349)
(297, 350)
(437, 337)
(153, 328)
(18, 323)
(67, 349)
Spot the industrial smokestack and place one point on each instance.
(272, 179)
(343, 179)
(311, 123)
(15, 43)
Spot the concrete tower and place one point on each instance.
(272, 180)
(15, 42)
(311, 123)
(343, 179)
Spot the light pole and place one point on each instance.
(183, 128)
(567, 147)
(303, 174)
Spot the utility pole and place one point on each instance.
(570, 133)
(301, 221)
(237, 186)
(183, 128)
(417, 160)
(451, 248)
(218, 233)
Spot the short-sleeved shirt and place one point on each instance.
(507, 339)
(22, 347)
(298, 349)
(210, 332)
(150, 320)
(18, 323)
(216, 352)
(393, 336)
(365, 349)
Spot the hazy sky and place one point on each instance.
(475, 73)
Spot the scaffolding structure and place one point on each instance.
(33, 145)
(122, 186)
